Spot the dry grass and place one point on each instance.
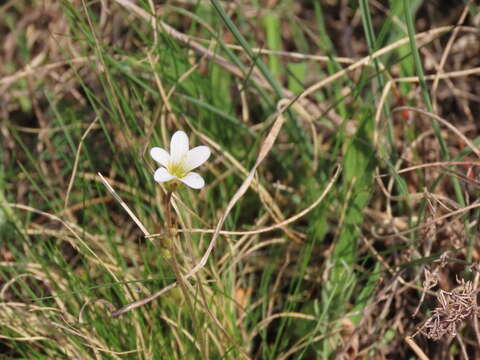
(337, 221)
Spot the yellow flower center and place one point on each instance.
(177, 169)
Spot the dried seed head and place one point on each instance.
(454, 307)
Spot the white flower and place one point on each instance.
(178, 164)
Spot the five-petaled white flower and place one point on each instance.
(178, 164)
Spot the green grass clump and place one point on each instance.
(289, 89)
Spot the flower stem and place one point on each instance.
(171, 244)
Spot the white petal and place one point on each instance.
(162, 175)
(193, 180)
(196, 157)
(178, 146)
(160, 156)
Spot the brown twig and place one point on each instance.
(416, 349)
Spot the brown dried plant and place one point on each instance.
(454, 307)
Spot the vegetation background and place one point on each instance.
(335, 224)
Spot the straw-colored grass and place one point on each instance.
(339, 217)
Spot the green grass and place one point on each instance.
(68, 258)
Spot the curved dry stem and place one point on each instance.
(445, 123)
(272, 227)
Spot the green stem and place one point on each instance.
(171, 245)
